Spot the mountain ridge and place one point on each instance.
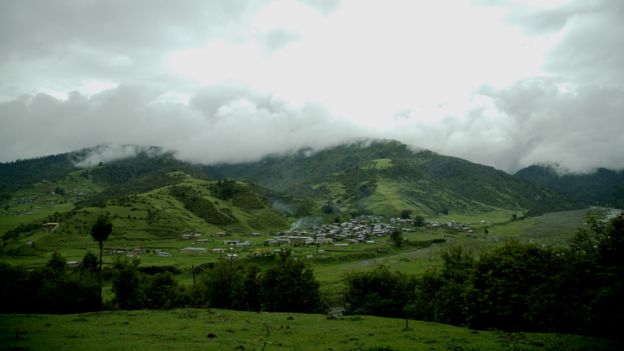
(362, 177)
(602, 187)
(360, 172)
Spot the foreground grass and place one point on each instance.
(192, 329)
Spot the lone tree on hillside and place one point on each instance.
(406, 214)
(100, 231)
(397, 238)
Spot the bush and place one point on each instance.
(378, 292)
(50, 289)
(289, 286)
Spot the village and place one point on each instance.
(361, 230)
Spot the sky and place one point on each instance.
(502, 83)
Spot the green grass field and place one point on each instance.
(200, 329)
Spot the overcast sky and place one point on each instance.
(503, 83)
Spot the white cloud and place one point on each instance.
(219, 125)
(502, 83)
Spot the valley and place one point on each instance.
(342, 212)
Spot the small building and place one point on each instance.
(189, 236)
(301, 240)
(194, 250)
(323, 240)
(218, 250)
(243, 244)
(50, 226)
(162, 253)
(283, 241)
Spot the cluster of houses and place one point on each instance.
(364, 229)
(135, 252)
(354, 231)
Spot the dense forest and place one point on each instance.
(602, 187)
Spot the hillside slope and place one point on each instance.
(386, 177)
(167, 206)
(366, 177)
(603, 187)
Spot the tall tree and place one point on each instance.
(100, 231)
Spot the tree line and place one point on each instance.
(288, 285)
(517, 287)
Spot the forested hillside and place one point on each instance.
(387, 176)
(603, 187)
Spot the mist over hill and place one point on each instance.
(387, 176)
(362, 177)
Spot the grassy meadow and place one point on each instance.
(193, 329)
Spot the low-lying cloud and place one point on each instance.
(107, 153)
(507, 84)
(534, 121)
(218, 125)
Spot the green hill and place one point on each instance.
(156, 208)
(152, 195)
(366, 177)
(603, 187)
(385, 177)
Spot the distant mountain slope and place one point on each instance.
(380, 177)
(185, 205)
(155, 193)
(143, 162)
(603, 187)
(387, 176)
(20, 173)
